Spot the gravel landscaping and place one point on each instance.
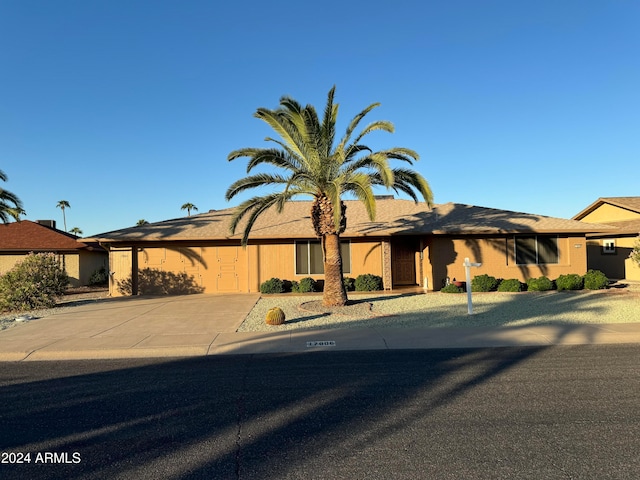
(77, 297)
(436, 309)
(433, 309)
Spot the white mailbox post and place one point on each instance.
(467, 270)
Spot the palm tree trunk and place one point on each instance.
(334, 292)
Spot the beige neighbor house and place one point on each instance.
(609, 251)
(79, 258)
(407, 244)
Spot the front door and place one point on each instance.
(403, 260)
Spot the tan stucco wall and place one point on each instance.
(227, 268)
(444, 257)
(609, 213)
(278, 260)
(7, 262)
(79, 266)
(616, 265)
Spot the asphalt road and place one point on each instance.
(516, 413)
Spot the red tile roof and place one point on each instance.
(28, 236)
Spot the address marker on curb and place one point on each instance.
(321, 343)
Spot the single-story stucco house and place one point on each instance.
(609, 251)
(407, 244)
(79, 258)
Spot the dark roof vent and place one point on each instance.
(383, 197)
(47, 223)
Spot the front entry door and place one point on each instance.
(403, 261)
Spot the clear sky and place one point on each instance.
(128, 109)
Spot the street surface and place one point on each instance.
(512, 413)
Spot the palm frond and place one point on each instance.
(275, 157)
(282, 126)
(254, 181)
(253, 207)
(403, 154)
(373, 127)
(354, 124)
(360, 185)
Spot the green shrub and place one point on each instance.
(35, 282)
(349, 284)
(99, 277)
(305, 285)
(368, 283)
(511, 285)
(484, 283)
(595, 280)
(273, 285)
(571, 281)
(541, 284)
(451, 288)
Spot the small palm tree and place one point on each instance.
(76, 231)
(141, 222)
(62, 204)
(10, 204)
(188, 207)
(314, 165)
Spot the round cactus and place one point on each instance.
(275, 316)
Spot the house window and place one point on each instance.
(536, 249)
(309, 259)
(609, 246)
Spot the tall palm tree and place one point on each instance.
(188, 207)
(62, 204)
(76, 231)
(141, 222)
(10, 204)
(314, 165)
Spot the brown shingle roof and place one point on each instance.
(623, 227)
(628, 203)
(393, 217)
(28, 236)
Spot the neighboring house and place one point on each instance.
(407, 244)
(609, 251)
(80, 259)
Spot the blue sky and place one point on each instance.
(128, 109)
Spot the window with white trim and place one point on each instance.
(536, 249)
(309, 259)
(609, 246)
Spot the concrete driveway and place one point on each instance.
(129, 327)
(205, 324)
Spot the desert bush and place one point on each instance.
(571, 281)
(35, 282)
(483, 283)
(634, 255)
(368, 283)
(540, 284)
(349, 284)
(273, 285)
(99, 277)
(305, 285)
(511, 285)
(595, 280)
(451, 288)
